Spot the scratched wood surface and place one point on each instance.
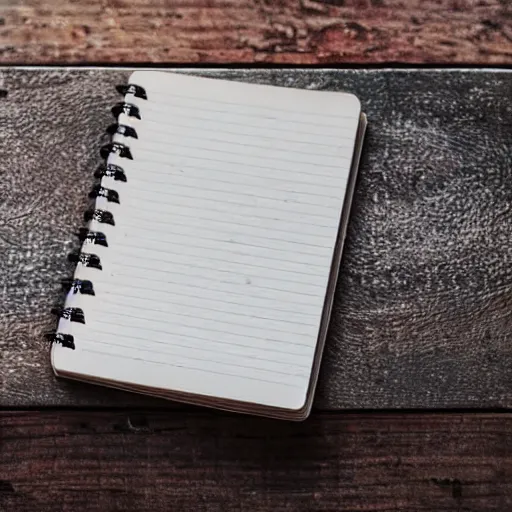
(422, 315)
(284, 31)
(191, 461)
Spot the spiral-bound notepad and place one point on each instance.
(210, 258)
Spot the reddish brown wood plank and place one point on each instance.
(188, 460)
(285, 31)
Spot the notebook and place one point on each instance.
(210, 253)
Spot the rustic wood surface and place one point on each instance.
(422, 315)
(456, 351)
(284, 31)
(191, 461)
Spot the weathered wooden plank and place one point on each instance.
(176, 460)
(422, 316)
(288, 31)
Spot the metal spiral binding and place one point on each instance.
(118, 149)
(117, 173)
(126, 108)
(85, 259)
(111, 171)
(111, 196)
(98, 215)
(66, 340)
(93, 237)
(75, 286)
(71, 314)
(136, 90)
(122, 129)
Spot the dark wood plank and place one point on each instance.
(288, 31)
(422, 314)
(176, 460)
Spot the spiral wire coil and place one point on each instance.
(85, 235)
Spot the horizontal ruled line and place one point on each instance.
(243, 264)
(209, 340)
(123, 264)
(216, 259)
(250, 135)
(226, 292)
(261, 338)
(244, 134)
(201, 308)
(203, 349)
(162, 122)
(209, 210)
(189, 368)
(237, 193)
(224, 102)
(244, 155)
(191, 358)
(238, 243)
(237, 173)
(123, 305)
(266, 198)
(259, 208)
(162, 108)
(174, 223)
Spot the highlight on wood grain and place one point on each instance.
(188, 460)
(227, 31)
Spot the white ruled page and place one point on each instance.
(216, 272)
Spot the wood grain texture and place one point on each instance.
(284, 31)
(422, 315)
(113, 461)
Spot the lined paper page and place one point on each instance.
(216, 273)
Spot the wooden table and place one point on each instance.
(63, 448)
(256, 31)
